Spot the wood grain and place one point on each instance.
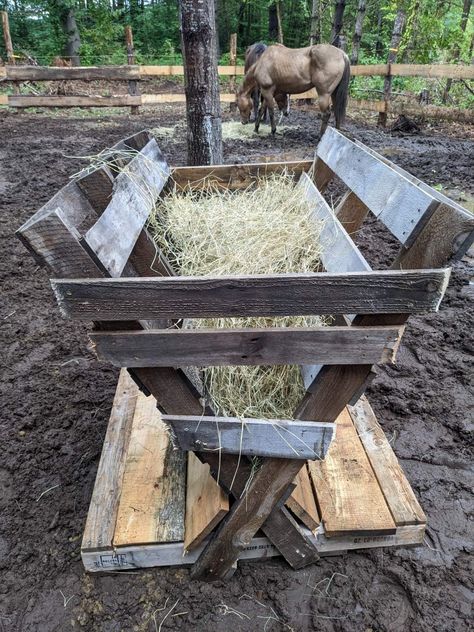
(351, 212)
(281, 438)
(397, 491)
(347, 491)
(259, 295)
(302, 502)
(285, 345)
(394, 200)
(100, 524)
(206, 503)
(152, 500)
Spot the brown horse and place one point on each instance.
(252, 55)
(292, 71)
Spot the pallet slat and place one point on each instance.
(152, 499)
(393, 199)
(347, 491)
(280, 438)
(253, 295)
(397, 491)
(302, 502)
(285, 345)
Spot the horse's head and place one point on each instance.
(283, 102)
(245, 105)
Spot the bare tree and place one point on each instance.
(357, 32)
(339, 9)
(201, 82)
(466, 9)
(397, 33)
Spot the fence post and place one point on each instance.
(397, 33)
(233, 62)
(9, 46)
(132, 83)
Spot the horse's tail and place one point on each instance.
(341, 93)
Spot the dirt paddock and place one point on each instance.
(56, 399)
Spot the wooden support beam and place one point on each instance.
(384, 292)
(78, 73)
(280, 438)
(132, 84)
(267, 346)
(351, 212)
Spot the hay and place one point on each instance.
(234, 130)
(265, 229)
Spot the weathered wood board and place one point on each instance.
(280, 438)
(206, 503)
(348, 493)
(302, 501)
(214, 347)
(152, 499)
(381, 292)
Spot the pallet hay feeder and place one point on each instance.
(337, 484)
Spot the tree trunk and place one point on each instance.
(315, 30)
(397, 33)
(201, 82)
(73, 38)
(466, 9)
(279, 26)
(272, 22)
(378, 43)
(357, 32)
(339, 8)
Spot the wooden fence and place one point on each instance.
(134, 73)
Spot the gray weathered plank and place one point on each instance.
(211, 347)
(382, 292)
(280, 438)
(401, 205)
(112, 238)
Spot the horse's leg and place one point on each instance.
(256, 102)
(271, 105)
(324, 101)
(260, 115)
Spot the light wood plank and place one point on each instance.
(70, 73)
(152, 500)
(112, 238)
(33, 101)
(347, 491)
(100, 524)
(397, 491)
(393, 199)
(285, 345)
(302, 502)
(234, 177)
(383, 292)
(206, 503)
(453, 71)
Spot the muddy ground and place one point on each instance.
(56, 400)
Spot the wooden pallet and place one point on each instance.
(138, 516)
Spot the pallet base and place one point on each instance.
(364, 500)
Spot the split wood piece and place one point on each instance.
(206, 503)
(268, 486)
(384, 292)
(99, 530)
(267, 346)
(302, 502)
(112, 238)
(397, 491)
(395, 201)
(280, 438)
(152, 500)
(234, 177)
(346, 486)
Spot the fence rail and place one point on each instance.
(132, 73)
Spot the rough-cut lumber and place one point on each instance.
(100, 525)
(263, 346)
(28, 101)
(384, 292)
(265, 490)
(91, 73)
(280, 438)
(351, 212)
(206, 503)
(152, 500)
(302, 502)
(397, 491)
(452, 71)
(433, 111)
(347, 491)
(112, 238)
(367, 71)
(394, 200)
(338, 252)
(234, 177)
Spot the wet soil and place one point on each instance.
(56, 399)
